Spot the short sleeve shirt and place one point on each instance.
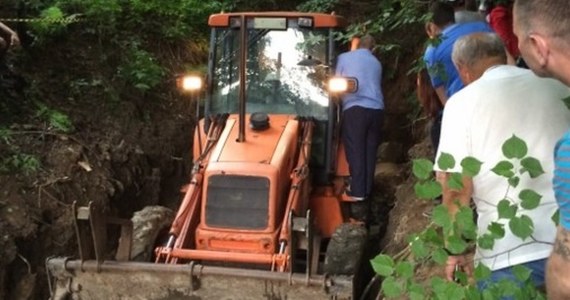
(367, 69)
(477, 120)
(438, 57)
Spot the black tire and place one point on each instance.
(149, 224)
(345, 249)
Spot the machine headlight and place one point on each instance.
(190, 83)
(343, 85)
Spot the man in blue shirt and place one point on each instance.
(363, 112)
(444, 76)
(443, 32)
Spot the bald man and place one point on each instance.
(363, 112)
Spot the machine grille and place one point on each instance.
(235, 201)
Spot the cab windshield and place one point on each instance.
(286, 70)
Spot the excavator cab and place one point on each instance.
(289, 58)
(262, 215)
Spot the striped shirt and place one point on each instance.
(561, 180)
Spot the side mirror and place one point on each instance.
(341, 85)
(189, 83)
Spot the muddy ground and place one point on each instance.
(134, 151)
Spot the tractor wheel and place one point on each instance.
(345, 249)
(150, 225)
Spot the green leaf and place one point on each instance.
(427, 190)
(454, 291)
(471, 166)
(455, 181)
(464, 218)
(489, 295)
(440, 256)
(438, 285)
(445, 161)
(456, 245)
(497, 230)
(416, 292)
(504, 168)
(142, 86)
(441, 216)
(514, 148)
(422, 168)
(486, 241)
(566, 101)
(419, 249)
(521, 272)
(556, 217)
(405, 269)
(522, 226)
(533, 166)
(472, 293)
(529, 199)
(481, 272)
(383, 265)
(506, 210)
(431, 236)
(514, 181)
(391, 287)
(461, 278)
(507, 287)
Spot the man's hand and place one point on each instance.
(455, 263)
(14, 40)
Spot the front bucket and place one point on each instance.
(133, 280)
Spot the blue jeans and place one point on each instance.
(537, 267)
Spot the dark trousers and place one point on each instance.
(361, 136)
(435, 133)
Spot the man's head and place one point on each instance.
(366, 42)
(543, 31)
(456, 4)
(442, 14)
(473, 54)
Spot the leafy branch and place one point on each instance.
(447, 236)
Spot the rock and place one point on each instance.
(387, 171)
(422, 150)
(25, 287)
(391, 152)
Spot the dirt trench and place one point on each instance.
(131, 153)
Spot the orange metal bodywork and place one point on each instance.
(280, 154)
(274, 154)
(319, 20)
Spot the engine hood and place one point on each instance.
(268, 146)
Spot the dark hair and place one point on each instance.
(471, 5)
(552, 16)
(442, 14)
(427, 96)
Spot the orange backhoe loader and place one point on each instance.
(263, 215)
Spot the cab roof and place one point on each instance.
(320, 20)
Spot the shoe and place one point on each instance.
(349, 198)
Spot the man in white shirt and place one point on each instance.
(500, 101)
